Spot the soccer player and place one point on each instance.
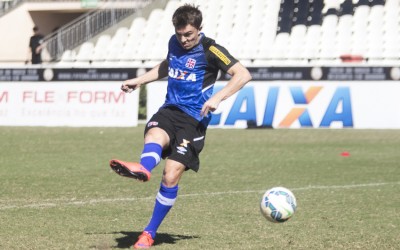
(177, 131)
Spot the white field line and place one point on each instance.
(73, 202)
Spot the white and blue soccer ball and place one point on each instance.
(278, 204)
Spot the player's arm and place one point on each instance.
(240, 76)
(158, 72)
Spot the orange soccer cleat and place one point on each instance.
(130, 169)
(145, 241)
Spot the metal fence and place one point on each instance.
(86, 27)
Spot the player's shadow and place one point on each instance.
(129, 238)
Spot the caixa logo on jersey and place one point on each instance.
(287, 107)
(181, 74)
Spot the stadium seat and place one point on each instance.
(344, 34)
(101, 47)
(137, 26)
(117, 44)
(85, 54)
(253, 30)
(328, 36)
(67, 59)
(297, 41)
(280, 45)
(312, 42)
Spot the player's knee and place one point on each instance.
(157, 135)
(170, 181)
(171, 178)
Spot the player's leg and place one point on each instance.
(185, 148)
(155, 140)
(165, 199)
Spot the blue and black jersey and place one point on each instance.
(192, 74)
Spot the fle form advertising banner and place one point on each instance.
(77, 104)
(291, 104)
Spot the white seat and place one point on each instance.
(170, 8)
(116, 44)
(327, 44)
(137, 26)
(68, 55)
(279, 47)
(344, 35)
(67, 59)
(329, 22)
(312, 42)
(152, 23)
(361, 14)
(265, 45)
(297, 41)
(85, 52)
(100, 50)
(120, 36)
(273, 5)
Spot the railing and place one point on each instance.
(87, 26)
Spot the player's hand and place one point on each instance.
(130, 85)
(209, 106)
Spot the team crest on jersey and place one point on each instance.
(190, 63)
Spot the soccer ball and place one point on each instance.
(278, 204)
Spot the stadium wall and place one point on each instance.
(280, 97)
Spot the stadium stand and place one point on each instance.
(258, 32)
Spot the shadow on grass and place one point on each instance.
(130, 238)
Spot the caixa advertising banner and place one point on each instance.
(76, 104)
(292, 104)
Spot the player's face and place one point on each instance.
(188, 36)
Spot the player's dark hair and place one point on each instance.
(187, 14)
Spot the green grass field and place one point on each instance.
(58, 192)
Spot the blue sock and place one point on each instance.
(164, 201)
(151, 155)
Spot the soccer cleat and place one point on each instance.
(130, 169)
(145, 241)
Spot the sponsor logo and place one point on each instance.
(182, 148)
(190, 63)
(300, 113)
(220, 55)
(181, 75)
(337, 108)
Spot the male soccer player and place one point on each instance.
(177, 131)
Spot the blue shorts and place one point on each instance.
(186, 134)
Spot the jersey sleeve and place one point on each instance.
(221, 57)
